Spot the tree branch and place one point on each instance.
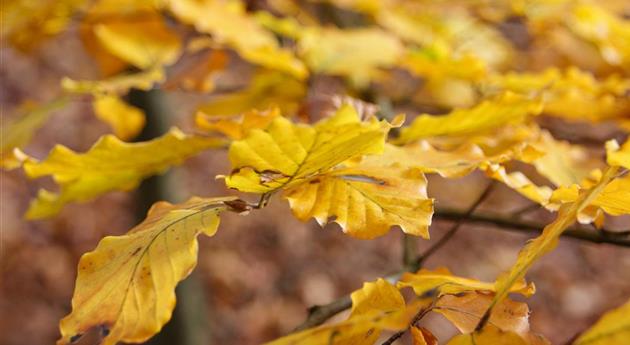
(508, 223)
(318, 314)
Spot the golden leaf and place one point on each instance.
(26, 23)
(490, 335)
(355, 53)
(266, 90)
(143, 43)
(118, 84)
(442, 280)
(465, 310)
(548, 240)
(376, 307)
(126, 120)
(611, 329)
(286, 154)
(610, 33)
(618, 156)
(109, 165)
(228, 23)
(365, 200)
(18, 133)
(236, 126)
(509, 108)
(126, 286)
(571, 94)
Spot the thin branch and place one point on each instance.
(453, 230)
(511, 224)
(318, 314)
(421, 313)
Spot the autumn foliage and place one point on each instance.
(476, 99)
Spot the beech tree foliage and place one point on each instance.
(480, 95)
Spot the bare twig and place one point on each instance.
(507, 223)
(318, 314)
(453, 230)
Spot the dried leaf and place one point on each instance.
(126, 286)
(378, 306)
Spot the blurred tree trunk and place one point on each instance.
(189, 324)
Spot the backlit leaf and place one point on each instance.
(365, 200)
(109, 165)
(228, 23)
(507, 109)
(378, 306)
(126, 286)
(286, 154)
(490, 335)
(548, 240)
(425, 281)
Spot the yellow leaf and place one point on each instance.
(26, 23)
(506, 109)
(266, 90)
(109, 165)
(562, 163)
(18, 133)
(571, 94)
(355, 53)
(465, 310)
(286, 154)
(444, 282)
(236, 126)
(376, 307)
(610, 33)
(228, 23)
(126, 286)
(618, 156)
(365, 200)
(119, 84)
(143, 43)
(490, 335)
(611, 329)
(126, 120)
(422, 336)
(520, 183)
(615, 197)
(435, 63)
(548, 240)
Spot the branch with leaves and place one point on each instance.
(366, 173)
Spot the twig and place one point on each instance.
(409, 250)
(453, 230)
(510, 224)
(318, 314)
(421, 313)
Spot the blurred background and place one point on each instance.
(257, 277)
